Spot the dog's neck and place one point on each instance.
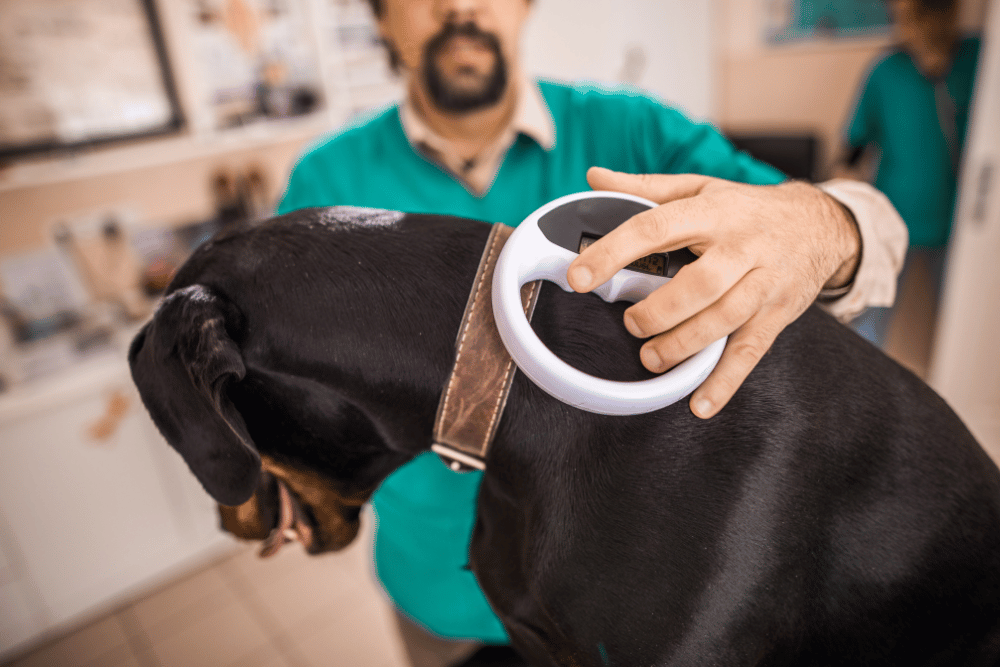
(365, 315)
(368, 316)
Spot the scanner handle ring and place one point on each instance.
(529, 255)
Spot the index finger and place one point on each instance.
(660, 188)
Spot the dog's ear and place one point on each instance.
(182, 362)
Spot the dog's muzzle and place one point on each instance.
(293, 526)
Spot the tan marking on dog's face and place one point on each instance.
(335, 514)
(244, 521)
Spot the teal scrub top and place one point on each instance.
(898, 114)
(424, 511)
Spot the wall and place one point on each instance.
(602, 39)
(707, 57)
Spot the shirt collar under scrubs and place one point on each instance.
(531, 118)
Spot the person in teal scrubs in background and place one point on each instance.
(475, 137)
(913, 112)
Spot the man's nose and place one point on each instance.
(459, 11)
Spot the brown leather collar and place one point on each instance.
(476, 393)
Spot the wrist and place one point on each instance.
(849, 244)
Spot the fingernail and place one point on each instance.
(650, 359)
(702, 408)
(581, 277)
(633, 326)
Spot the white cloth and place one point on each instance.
(884, 239)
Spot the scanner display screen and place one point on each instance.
(655, 265)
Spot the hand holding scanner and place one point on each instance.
(542, 247)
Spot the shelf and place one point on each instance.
(163, 151)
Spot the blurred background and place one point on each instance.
(131, 130)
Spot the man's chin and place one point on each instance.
(467, 88)
(466, 91)
(463, 80)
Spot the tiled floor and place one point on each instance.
(299, 611)
(288, 611)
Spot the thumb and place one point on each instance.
(660, 188)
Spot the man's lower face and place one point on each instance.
(464, 69)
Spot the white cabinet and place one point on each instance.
(966, 366)
(93, 504)
(19, 609)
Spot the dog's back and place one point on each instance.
(835, 512)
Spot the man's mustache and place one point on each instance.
(469, 30)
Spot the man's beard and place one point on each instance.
(445, 94)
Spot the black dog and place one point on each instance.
(836, 512)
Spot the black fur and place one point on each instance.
(835, 512)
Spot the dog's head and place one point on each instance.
(286, 456)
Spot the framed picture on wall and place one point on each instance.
(256, 60)
(78, 73)
(790, 20)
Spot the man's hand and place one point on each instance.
(764, 254)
